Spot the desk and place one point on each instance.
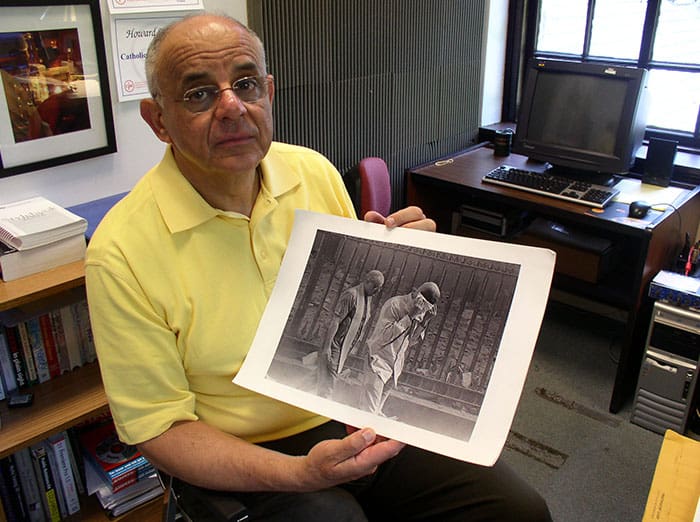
(642, 247)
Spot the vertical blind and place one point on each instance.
(354, 78)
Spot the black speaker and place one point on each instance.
(658, 166)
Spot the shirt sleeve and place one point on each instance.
(138, 357)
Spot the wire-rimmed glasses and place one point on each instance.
(200, 99)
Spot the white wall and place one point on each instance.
(137, 148)
(494, 61)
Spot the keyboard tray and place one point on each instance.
(553, 186)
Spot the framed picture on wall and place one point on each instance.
(55, 105)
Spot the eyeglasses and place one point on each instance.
(201, 99)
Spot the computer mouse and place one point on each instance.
(639, 209)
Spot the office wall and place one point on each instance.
(138, 149)
(399, 79)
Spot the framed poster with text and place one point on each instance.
(130, 40)
(148, 6)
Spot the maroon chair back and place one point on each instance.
(375, 187)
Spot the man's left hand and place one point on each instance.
(409, 217)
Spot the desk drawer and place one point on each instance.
(579, 255)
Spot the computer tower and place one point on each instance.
(666, 390)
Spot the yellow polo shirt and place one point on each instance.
(176, 289)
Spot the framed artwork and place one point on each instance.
(55, 105)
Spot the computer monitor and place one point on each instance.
(585, 119)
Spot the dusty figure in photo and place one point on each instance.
(401, 324)
(350, 318)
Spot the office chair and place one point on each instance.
(369, 186)
(193, 504)
(375, 186)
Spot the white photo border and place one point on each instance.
(488, 437)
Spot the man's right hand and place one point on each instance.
(332, 462)
(207, 457)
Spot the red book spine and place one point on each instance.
(50, 346)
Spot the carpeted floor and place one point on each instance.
(589, 464)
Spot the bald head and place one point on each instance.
(158, 54)
(373, 281)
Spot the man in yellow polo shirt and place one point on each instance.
(178, 275)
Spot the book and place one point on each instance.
(53, 466)
(64, 470)
(132, 503)
(37, 221)
(49, 345)
(76, 459)
(81, 320)
(8, 501)
(42, 469)
(32, 496)
(59, 338)
(119, 464)
(9, 381)
(13, 343)
(15, 263)
(23, 337)
(126, 499)
(12, 489)
(70, 332)
(36, 343)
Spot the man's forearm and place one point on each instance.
(204, 456)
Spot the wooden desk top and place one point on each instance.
(466, 169)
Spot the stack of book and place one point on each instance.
(40, 348)
(48, 481)
(116, 473)
(36, 235)
(42, 482)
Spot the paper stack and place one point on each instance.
(36, 235)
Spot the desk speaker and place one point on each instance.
(658, 165)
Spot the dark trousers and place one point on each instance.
(415, 485)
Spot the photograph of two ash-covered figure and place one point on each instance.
(399, 331)
(400, 323)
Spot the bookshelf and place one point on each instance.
(66, 400)
(35, 288)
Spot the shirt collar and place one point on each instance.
(183, 208)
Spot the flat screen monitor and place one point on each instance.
(585, 119)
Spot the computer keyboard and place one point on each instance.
(553, 186)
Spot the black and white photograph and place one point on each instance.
(402, 330)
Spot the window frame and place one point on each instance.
(523, 23)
